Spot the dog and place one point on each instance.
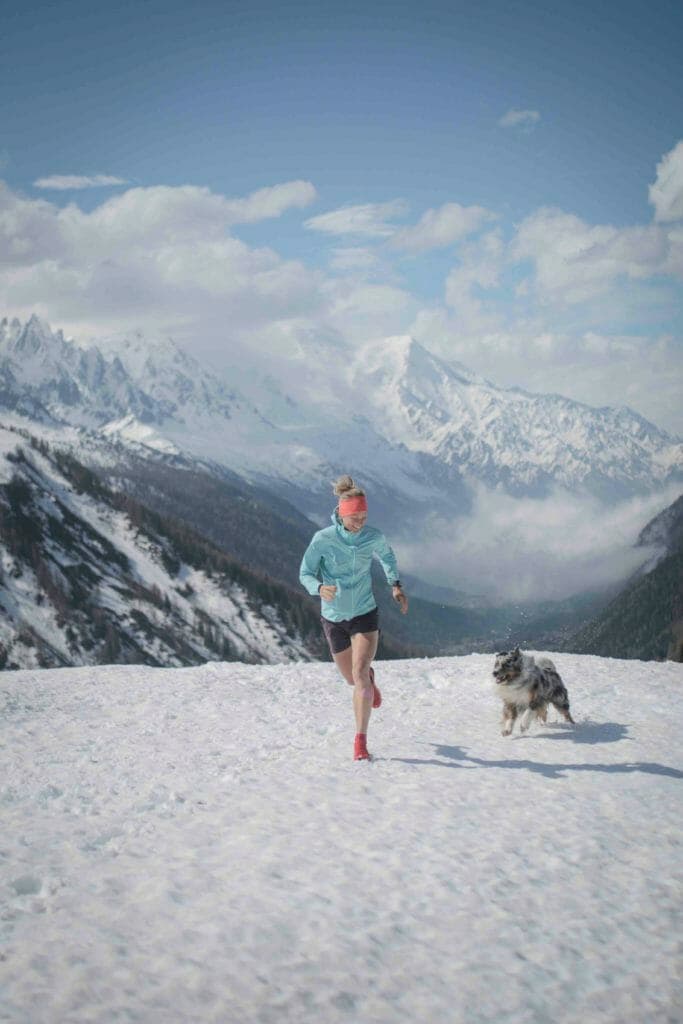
(527, 685)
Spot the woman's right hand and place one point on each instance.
(327, 592)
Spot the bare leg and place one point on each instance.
(363, 648)
(344, 662)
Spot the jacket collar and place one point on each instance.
(346, 535)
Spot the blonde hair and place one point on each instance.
(345, 487)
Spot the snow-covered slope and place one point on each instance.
(197, 845)
(87, 575)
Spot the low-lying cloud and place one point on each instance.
(527, 549)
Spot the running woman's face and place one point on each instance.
(355, 523)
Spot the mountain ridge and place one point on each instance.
(431, 442)
(514, 437)
(423, 427)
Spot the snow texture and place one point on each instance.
(197, 845)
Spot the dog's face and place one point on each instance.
(508, 666)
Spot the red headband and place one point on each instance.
(348, 506)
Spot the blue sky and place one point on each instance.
(531, 131)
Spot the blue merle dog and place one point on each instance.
(527, 685)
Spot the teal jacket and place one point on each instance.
(344, 559)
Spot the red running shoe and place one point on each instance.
(376, 695)
(360, 750)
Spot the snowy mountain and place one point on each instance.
(424, 431)
(439, 449)
(121, 385)
(62, 381)
(507, 437)
(185, 845)
(89, 575)
(178, 386)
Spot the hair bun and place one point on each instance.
(343, 484)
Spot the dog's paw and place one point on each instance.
(506, 732)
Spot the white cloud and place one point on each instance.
(155, 215)
(361, 310)
(674, 264)
(189, 210)
(573, 261)
(478, 270)
(164, 258)
(443, 226)
(30, 230)
(666, 194)
(271, 202)
(160, 258)
(511, 549)
(524, 120)
(370, 220)
(66, 182)
(353, 258)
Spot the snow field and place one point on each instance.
(197, 845)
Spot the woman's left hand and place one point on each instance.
(400, 598)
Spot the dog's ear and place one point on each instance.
(517, 651)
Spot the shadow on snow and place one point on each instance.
(586, 732)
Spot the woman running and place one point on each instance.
(336, 565)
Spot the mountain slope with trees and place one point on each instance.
(90, 575)
(645, 620)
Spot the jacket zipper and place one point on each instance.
(353, 588)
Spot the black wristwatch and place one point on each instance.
(397, 584)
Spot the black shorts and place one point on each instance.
(338, 634)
